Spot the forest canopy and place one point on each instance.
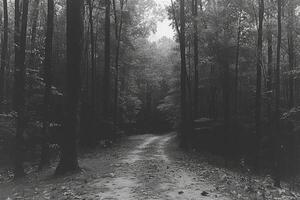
(86, 72)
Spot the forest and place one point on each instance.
(85, 90)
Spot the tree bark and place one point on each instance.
(45, 157)
(4, 59)
(34, 18)
(118, 34)
(277, 102)
(226, 106)
(17, 34)
(270, 71)
(68, 158)
(196, 56)
(291, 51)
(93, 63)
(237, 59)
(258, 86)
(106, 84)
(183, 106)
(20, 70)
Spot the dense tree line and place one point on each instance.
(81, 73)
(238, 81)
(84, 72)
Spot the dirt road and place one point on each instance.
(147, 172)
(139, 169)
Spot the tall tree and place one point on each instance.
(258, 83)
(226, 109)
(68, 157)
(118, 34)
(270, 68)
(106, 84)
(19, 95)
(196, 55)
(93, 62)
(237, 63)
(17, 33)
(48, 82)
(183, 74)
(4, 59)
(34, 21)
(277, 99)
(291, 51)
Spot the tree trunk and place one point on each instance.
(20, 71)
(183, 105)
(258, 86)
(93, 63)
(291, 51)
(68, 158)
(34, 18)
(196, 58)
(17, 34)
(4, 59)
(270, 71)
(106, 84)
(48, 83)
(226, 107)
(237, 58)
(118, 34)
(277, 103)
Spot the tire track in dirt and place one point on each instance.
(147, 172)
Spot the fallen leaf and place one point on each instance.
(204, 193)
(180, 192)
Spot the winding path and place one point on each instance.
(147, 172)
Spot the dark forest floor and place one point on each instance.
(143, 167)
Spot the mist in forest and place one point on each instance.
(149, 99)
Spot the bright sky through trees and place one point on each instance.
(163, 28)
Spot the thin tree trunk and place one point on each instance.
(237, 59)
(106, 84)
(226, 107)
(34, 18)
(17, 34)
(118, 34)
(189, 82)
(196, 58)
(68, 158)
(19, 97)
(4, 58)
(183, 105)
(93, 63)
(45, 157)
(291, 53)
(258, 86)
(270, 71)
(277, 102)
(87, 62)
(189, 57)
